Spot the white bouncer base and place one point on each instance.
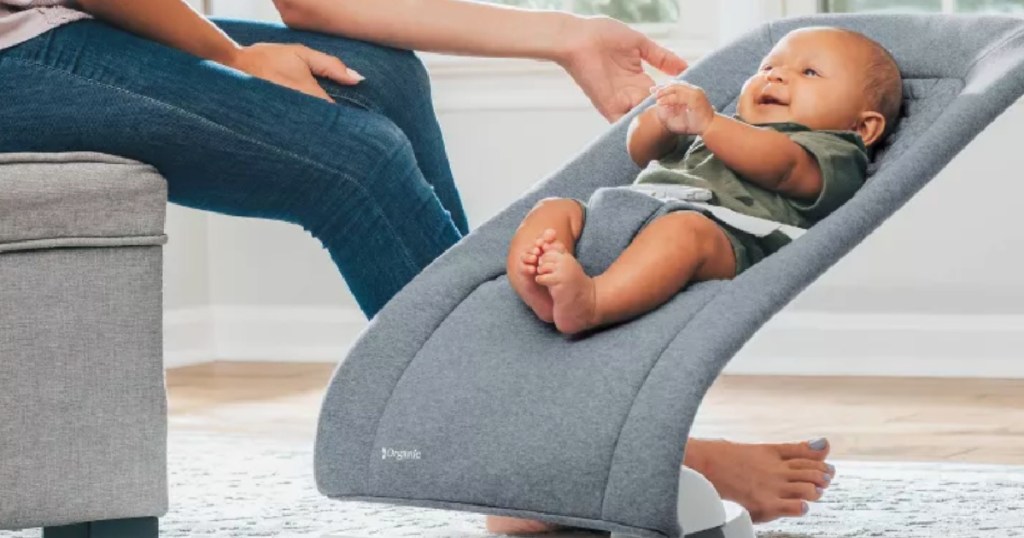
(702, 514)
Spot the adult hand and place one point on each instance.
(293, 66)
(605, 57)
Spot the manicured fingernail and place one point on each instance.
(828, 478)
(820, 490)
(355, 74)
(818, 444)
(831, 469)
(804, 507)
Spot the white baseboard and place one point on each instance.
(188, 336)
(794, 343)
(273, 334)
(286, 334)
(874, 344)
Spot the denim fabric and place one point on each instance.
(367, 176)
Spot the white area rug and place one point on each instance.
(226, 486)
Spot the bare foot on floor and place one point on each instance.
(513, 525)
(769, 480)
(533, 294)
(572, 291)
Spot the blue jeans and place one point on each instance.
(367, 176)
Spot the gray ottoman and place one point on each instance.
(83, 424)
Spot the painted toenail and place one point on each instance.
(818, 444)
(804, 507)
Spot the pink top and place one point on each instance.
(21, 20)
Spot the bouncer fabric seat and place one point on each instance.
(456, 396)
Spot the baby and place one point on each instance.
(795, 151)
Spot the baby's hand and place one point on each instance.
(683, 108)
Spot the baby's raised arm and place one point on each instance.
(763, 156)
(648, 138)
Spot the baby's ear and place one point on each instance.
(870, 126)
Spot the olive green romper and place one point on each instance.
(841, 156)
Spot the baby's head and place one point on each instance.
(826, 79)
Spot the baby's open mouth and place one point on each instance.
(771, 100)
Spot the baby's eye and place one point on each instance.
(810, 72)
(765, 67)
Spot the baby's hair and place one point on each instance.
(884, 83)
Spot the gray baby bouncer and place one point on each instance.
(458, 397)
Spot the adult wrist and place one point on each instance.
(569, 34)
(229, 53)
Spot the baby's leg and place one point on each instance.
(667, 254)
(557, 221)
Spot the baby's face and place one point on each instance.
(814, 77)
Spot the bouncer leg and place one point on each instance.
(702, 514)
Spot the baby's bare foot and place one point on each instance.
(769, 480)
(572, 291)
(533, 294)
(512, 525)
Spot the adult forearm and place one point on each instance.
(449, 26)
(171, 22)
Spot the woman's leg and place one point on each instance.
(396, 86)
(232, 143)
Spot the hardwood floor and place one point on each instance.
(918, 419)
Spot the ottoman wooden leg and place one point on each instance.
(141, 527)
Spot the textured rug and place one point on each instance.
(225, 486)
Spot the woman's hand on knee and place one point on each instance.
(294, 66)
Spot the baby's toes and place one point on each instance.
(550, 256)
(548, 262)
(555, 246)
(547, 236)
(548, 274)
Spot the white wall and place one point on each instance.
(242, 9)
(934, 292)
